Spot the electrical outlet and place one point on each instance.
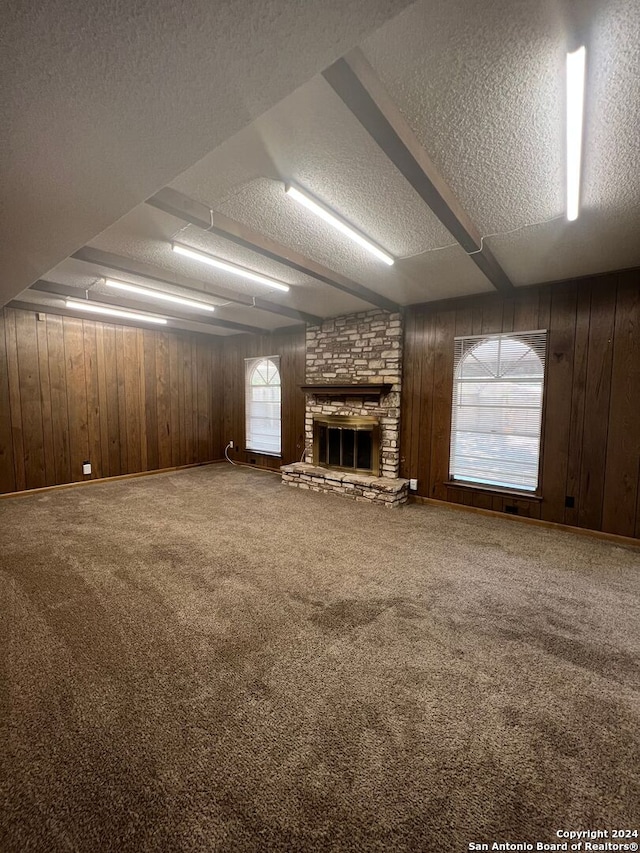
(413, 485)
(86, 467)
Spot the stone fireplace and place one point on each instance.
(354, 379)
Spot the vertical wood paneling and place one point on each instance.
(597, 398)
(442, 396)
(174, 400)
(132, 399)
(557, 406)
(578, 392)
(476, 316)
(59, 405)
(623, 440)
(103, 401)
(45, 399)
(142, 396)
(188, 400)
(7, 471)
(196, 450)
(202, 400)
(122, 401)
(182, 451)
(525, 311)
(163, 402)
(73, 390)
(76, 395)
(492, 315)
(508, 310)
(151, 411)
(425, 424)
(113, 406)
(30, 401)
(544, 307)
(591, 442)
(93, 400)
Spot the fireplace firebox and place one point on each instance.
(347, 443)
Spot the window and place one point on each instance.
(497, 409)
(262, 409)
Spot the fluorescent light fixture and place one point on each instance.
(92, 308)
(575, 109)
(158, 294)
(227, 266)
(321, 211)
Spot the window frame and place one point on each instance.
(250, 365)
(542, 352)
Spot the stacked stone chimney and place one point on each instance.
(358, 349)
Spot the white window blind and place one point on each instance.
(262, 404)
(497, 409)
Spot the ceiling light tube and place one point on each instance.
(227, 266)
(311, 204)
(576, 62)
(158, 294)
(92, 308)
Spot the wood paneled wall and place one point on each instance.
(591, 428)
(290, 346)
(133, 400)
(126, 399)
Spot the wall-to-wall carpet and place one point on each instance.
(208, 660)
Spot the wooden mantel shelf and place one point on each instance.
(334, 390)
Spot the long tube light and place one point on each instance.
(576, 62)
(227, 266)
(158, 294)
(321, 211)
(92, 308)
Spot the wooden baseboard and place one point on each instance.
(27, 492)
(614, 538)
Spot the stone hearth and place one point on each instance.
(388, 491)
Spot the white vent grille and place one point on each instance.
(497, 409)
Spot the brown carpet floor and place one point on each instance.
(210, 661)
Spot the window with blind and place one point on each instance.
(262, 404)
(497, 409)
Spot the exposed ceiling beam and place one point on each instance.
(63, 311)
(130, 267)
(174, 312)
(358, 86)
(181, 206)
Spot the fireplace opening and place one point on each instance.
(347, 443)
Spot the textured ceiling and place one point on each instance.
(104, 103)
(146, 233)
(74, 273)
(47, 300)
(312, 137)
(482, 86)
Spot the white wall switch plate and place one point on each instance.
(413, 485)
(86, 467)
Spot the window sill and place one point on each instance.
(263, 453)
(493, 490)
